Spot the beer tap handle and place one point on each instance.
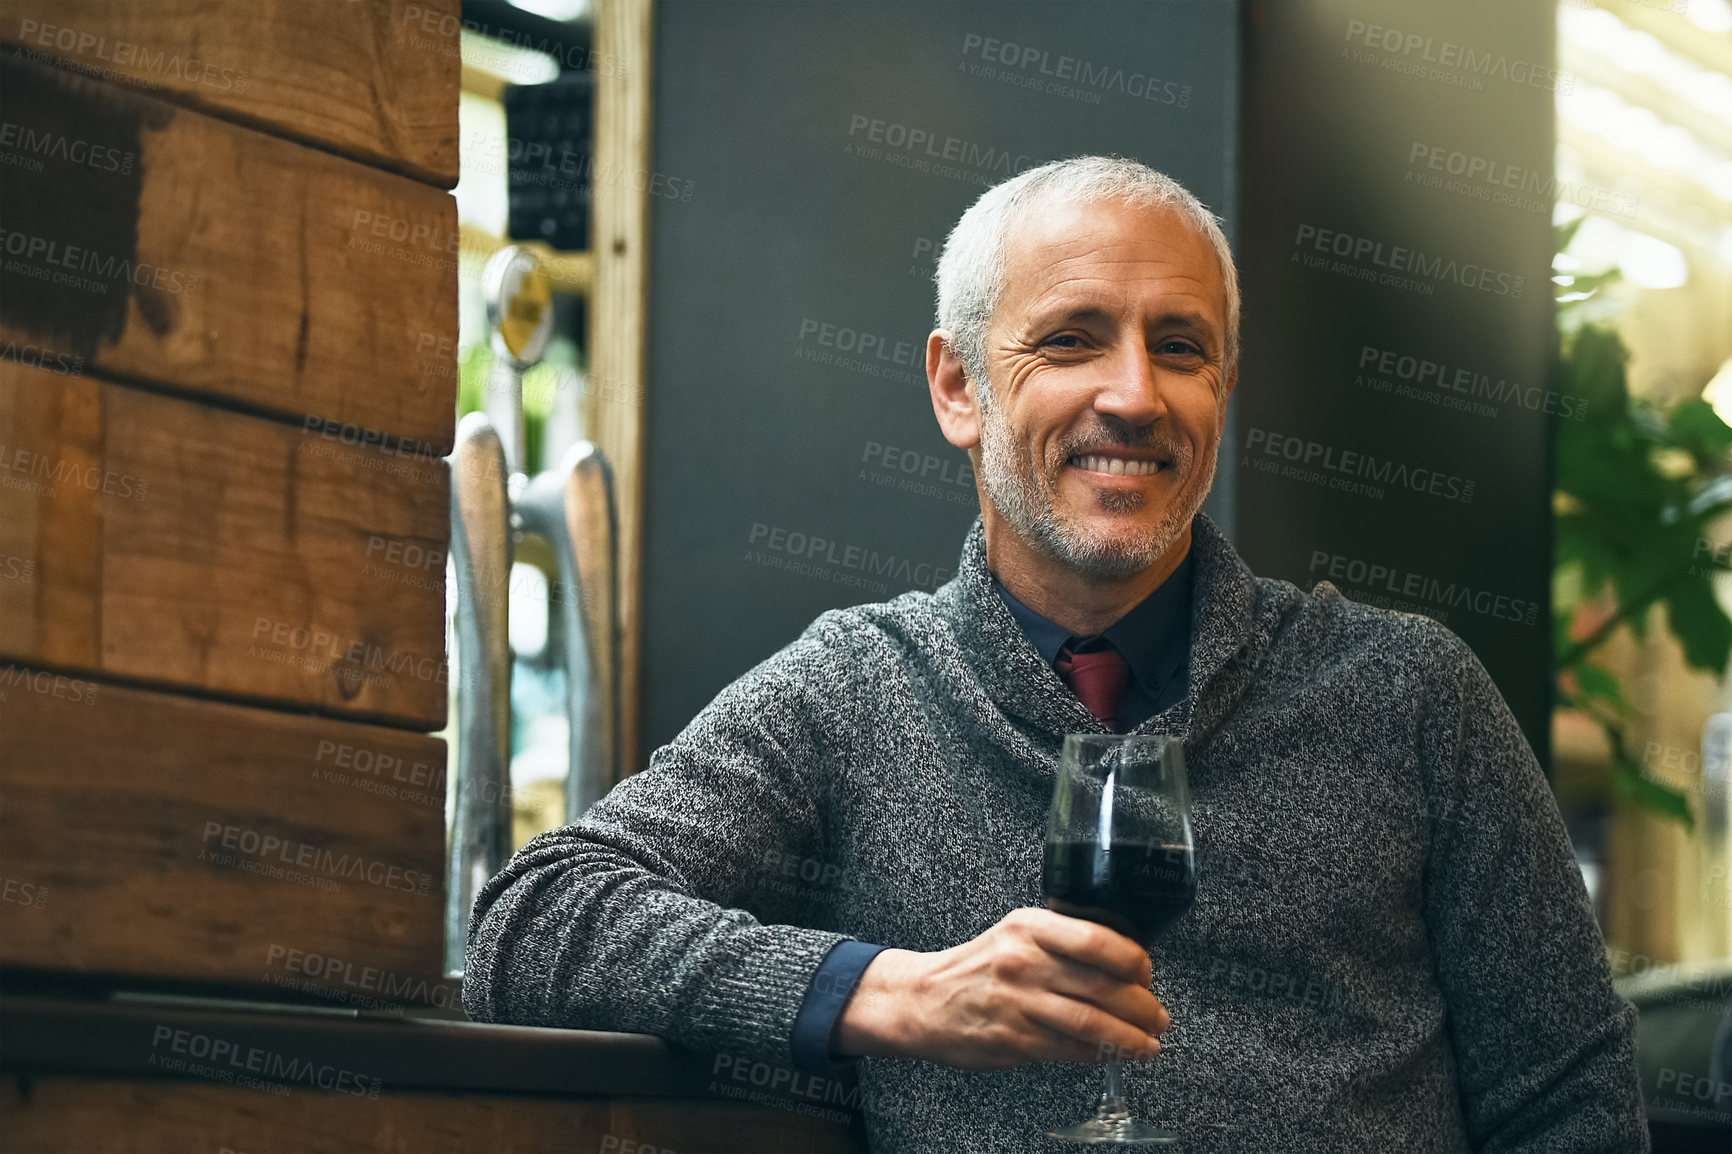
(520, 313)
(572, 507)
(481, 557)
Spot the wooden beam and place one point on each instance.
(63, 1115)
(375, 81)
(162, 836)
(614, 413)
(146, 242)
(193, 547)
(484, 83)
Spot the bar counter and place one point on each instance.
(138, 1071)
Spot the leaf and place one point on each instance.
(1597, 682)
(1697, 429)
(1561, 641)
(1579, 545)
(1634, 786)
(1596, 359)
(1700, 625)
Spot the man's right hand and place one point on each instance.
(1038, 986)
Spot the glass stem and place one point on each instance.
(1112, 1106)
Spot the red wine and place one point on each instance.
(1135, 888)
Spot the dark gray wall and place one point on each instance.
(1418, 132)
(792, 199)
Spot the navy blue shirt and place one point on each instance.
(1155, 640)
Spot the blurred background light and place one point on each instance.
(1719, 392)
(1712, 15)
(555, 9)
(526, 612)
(1652, 263)
(510, 63)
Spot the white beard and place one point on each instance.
(1025, 500)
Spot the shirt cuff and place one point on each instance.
(832, 985)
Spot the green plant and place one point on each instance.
(1637, 486)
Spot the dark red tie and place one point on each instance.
(1098, 679)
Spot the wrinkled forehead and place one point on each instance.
(1109, 248)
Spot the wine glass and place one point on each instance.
(1119, 852)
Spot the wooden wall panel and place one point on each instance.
(75, 1116)
(145, 241)
(195, 547)
(375, 79)
(50, 546)
(624, 29)
(145, 833)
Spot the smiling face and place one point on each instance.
(1106, 356)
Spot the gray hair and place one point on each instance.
(970, 273)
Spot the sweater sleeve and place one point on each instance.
(633, 919)
(1545, 1048)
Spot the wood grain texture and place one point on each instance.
(170, 837)
(75, 1116)
(624, 29)
(148, 242)
(194, 547)
(376, 80)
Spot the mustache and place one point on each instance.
(1122, 435)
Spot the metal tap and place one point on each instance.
(493, 504)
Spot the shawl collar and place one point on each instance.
(1223, 612)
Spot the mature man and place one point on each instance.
(1390, 949)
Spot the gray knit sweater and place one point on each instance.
(1391, 947)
